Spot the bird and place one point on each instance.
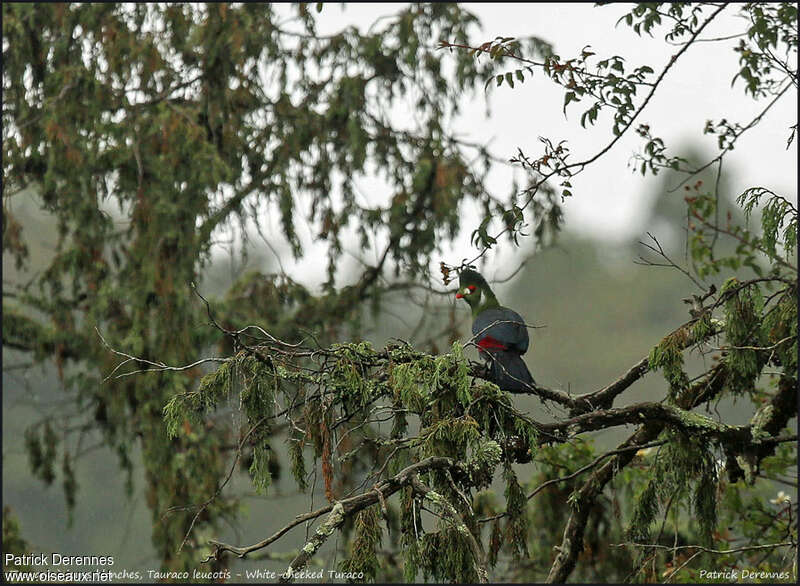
(499, 332)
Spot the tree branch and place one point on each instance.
(478, 555)
(572, 542)
(605, 396)
(349, 507)
(580, 165)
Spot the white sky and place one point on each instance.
(609, 201)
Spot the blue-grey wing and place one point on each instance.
(504, 325)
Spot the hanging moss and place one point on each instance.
(260, 469)
(41, 446)
(412, 532)
(411, 561)
(446, 557)
(705, 502)
(491, 407)
(364, 546)
(451, 373)
(190, 407)
(297, 460)
(779, 329)
(778, 220)
(702, 327)
(484, 458)
(668, 356)
(495, 543)
(743, 329)
(644, 513)
(409, 381)
(528, 434)
(684, 466)
(260, 384)
(350, 376)
(450, 437)
(516, 531)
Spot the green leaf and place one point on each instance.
(570, 97)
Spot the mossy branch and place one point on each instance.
(478, 555)
(346, 508)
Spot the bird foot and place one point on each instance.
(479, 368)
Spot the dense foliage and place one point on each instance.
(195, 119)
(184, 120)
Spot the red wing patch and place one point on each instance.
(489, 343)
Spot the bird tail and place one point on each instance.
(510, 373)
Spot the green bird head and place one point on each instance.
(474, 289)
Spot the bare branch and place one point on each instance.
(157, 366)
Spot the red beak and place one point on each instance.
(459, 296)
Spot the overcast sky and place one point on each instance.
(610, 201)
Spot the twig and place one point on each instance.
(580, 165)
(159, 366)
(730, 145)
(704, 549)
(670, 263)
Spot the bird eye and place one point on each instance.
(471, 288)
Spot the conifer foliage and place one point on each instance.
(144, 130)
